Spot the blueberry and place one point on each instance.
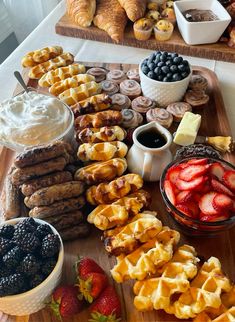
(173, 55)
(184, 75)
(145, 62)
(185, 62)
(169, 75)
(181, 68)
(169, 62)
(177, 60)
(151, 75)
(151, 57)
(158, 53)
(165, 69)
(173, 68)
(160, 78)
(176, 77)
(163, 58)
(157, 70)
(165, 79)
(151, 66)
(165, 53)
(145, 69)
(160, 64)
(169, 57)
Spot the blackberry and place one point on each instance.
(29, 265)
(28, 242)
(50, 245)
(28, 225)
(48, 266)
(12, 258)
(5, 245)
(42, 231)
(36, 280)
(7, 231)
(4, 271)
(12, 284)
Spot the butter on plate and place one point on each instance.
(187, 129)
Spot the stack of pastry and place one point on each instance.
(49, 190)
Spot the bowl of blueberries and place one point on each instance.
(164, 77)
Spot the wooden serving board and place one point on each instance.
(214, 122)
(218, 51)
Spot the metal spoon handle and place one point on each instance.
(21, 81)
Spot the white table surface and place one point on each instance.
(86, 50)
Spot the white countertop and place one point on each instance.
(86, 50)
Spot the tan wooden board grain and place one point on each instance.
(214, 122)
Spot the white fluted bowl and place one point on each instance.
(35, 299)
(162, 92)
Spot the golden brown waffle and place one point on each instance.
(71, 82)
(39, 56)
(60, 73)
(102, 151)
(101, 171)
(106, 193)
(103, 134)
(156, 293)
(204, 292)
(140, 229)
(65, 59)
(146, 259)
(74, 95)
(92, 104)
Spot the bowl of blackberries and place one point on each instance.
(31, 260)
(164, 77)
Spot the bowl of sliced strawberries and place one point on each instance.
(199, 193)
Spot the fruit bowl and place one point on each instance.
(36, 298)
(185, 206)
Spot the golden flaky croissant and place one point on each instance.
(135, 9)
(100, 119)
(39, 56)
(95, 103)
(81, 11)
(111, 17)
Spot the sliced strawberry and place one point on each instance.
(229, 179)
(210, 218)
(173, 174)
(189, 185)
(193, 171)
(219, 187)
(205, 204)
(190, 208)
(198, 161)
(206, 187)
(185, 210)
(216, 169)
(169, 190)
(222, 202)
(197, 196)
(184, 196)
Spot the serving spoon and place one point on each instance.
(19, 78)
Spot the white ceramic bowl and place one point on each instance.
(35, 299)
(162, 92)
(205, 32)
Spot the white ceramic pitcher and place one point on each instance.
(149, 162)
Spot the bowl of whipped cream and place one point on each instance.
(31, 119)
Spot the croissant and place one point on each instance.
(71, 82)
(61, 73)
(135, 9)
(81, 11)
(111, 17)
(36, 57)
(74, 95)
(103, 134)
(92, 104)
(65, 59)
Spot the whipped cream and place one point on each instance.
(32, 119)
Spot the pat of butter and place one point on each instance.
(187, 129)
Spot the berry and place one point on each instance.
(4, 271)
(145, 69)
(7, 231)
(23, 227)
(151, 66)
(173, 174)
(36, 280)
(182, 68)
(157, 70)
(177, 60)
(190, 185)
(206, 205)
(50, 245)
(229, 179)
(12, 258)
(48, 266)
(5, 245)
(176, 77)
(151, 75)
(192, 171)
(28, 242)
(217, 170)
(173, 69)
(42, 231)
(92, 285)
(165, 69)
(86, 265)
(184, 196)
(29, 265)
(169, 191)
(222, 202)
(198, 161)
(219, 187)
(160, 64)
(11, 285)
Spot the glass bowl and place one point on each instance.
(188, 225)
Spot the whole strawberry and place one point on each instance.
(86, 265)
(92, 285)
(65, 302)
(107, 307)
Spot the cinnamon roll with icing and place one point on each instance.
(133, 74)
(116, 75)
(120, 102)
(178, 109)
(98, 72)
(109, 87)
(130, 88)
(142, 104)
(198, 83)
(131, 118)
(161, 116)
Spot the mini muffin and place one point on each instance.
(154, 15)
(143, 28)
(152, 5)
(169, 14)
(163, 30)
(160, 115)
(167, 4)
(197, 99)
(130, 88)
(142, 104)
(116, 75)
(133, 74)
(98, 72)
(109, 87)
(198, 83)
(120, 102)
(178, 109)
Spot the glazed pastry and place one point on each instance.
(71, 82)
(154, 15)
(116, 75)
(81, 11)
(109, 87)
(100, 119)
(98, 72)
(161, 116)
(131, 118)
(39, 56)
(163, 30)
(103, 134)
(111, 17)
(65, 59)
(167, 4)
(130, 88)
(120, 102)
(61, 73)
(152, 5)
(198, 83)
(143, 28)
(73, 95)
(133, 74)
(169, 14)
(197, 99)
(178, 109)
(142, 104)
(135, 9)
(95, 103)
